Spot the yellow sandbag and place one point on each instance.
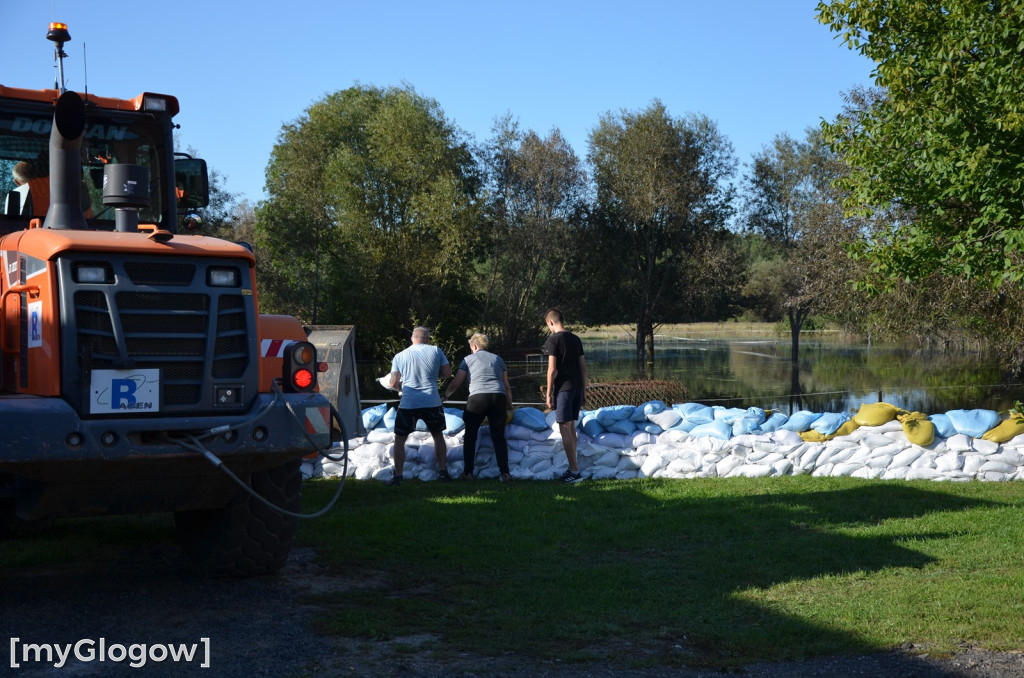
(846, 429)
(876, 414)
(1007, 429)
(918, 428)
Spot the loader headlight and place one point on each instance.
(86, 273)
(222, 277)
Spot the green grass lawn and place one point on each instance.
(713, 572)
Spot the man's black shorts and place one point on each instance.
(405, 419)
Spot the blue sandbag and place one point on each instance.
(650, 407)
(591, 426)
(729, 414)
(373, 415)
(696, 412)
(607, 415)
(943, 426)
(388, 422)
(773, 423)
(531, 418)
(973, 423)
(713, 429)
(801, 421)
(623, 426)
(829, 423)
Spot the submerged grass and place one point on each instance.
(712, 572)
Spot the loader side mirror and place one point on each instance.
(191, 183)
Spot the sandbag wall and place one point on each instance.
(692, 440)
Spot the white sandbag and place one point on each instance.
(958, 443)
(751, 471)
(878, 461)
(674, 436)
(843, 470)
(926, 460)
(950, 461)
(630, 463)
(899, 473)
(627, 474)
(641, 438)
(994, 477)
(610, 458)
(785, 437)
(973, 462)
(541, 466)
(923, 474)
(602, 473)
(867, 473)
(666, 419)
(726, 466)
(998, 467)
(822, 471)
(783, 467)
(1007, 456)
(379, 435)
(985, 446)
(905, 458)
(651, 464)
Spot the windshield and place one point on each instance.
(109, 138)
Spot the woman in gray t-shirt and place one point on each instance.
(489, 397)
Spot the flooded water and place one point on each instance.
(738, 371)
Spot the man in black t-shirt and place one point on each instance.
(566, 388)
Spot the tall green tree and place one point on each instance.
(662, 202)
(944, 141)
(537, 199)
(373, 213)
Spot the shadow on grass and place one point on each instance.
(625, 572)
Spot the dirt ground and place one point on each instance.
(265, 627)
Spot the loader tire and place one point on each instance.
(246, 537)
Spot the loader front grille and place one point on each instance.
(198, 337)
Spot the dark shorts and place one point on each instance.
(405, 419)
(567, 405)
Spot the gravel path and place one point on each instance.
(263, 627)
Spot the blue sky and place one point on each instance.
(243, 69)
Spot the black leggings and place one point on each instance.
(491, 406)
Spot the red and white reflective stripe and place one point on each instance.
(317, 418)
(274, 348)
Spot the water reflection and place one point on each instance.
(831, 376)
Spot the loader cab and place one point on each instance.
(134, 132)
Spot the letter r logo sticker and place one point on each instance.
(122, 389)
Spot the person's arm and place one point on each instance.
(552, 362)
(460, 377)
(508, 390)
(396, 379)
(583, 379)
(446, 371)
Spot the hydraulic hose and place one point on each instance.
(195, 444)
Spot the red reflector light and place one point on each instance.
(302, 378)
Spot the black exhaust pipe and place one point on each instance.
(66, 164)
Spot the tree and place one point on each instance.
(372, 213)
(537, 198)
(943, 139)
(792, 203)
(661, 205)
